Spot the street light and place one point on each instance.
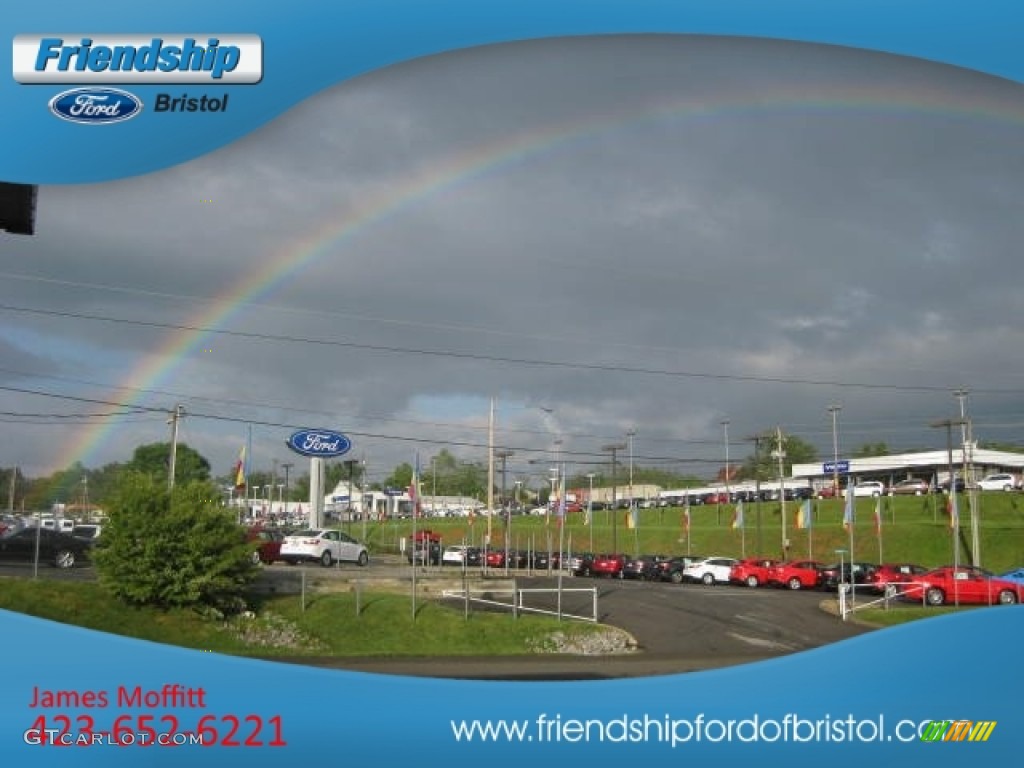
(287, 466)
(614, 448)
(590, 510)
(780, 454)
(725, 428)
(834, 410)
(631, 434)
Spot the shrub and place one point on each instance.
(173, 549)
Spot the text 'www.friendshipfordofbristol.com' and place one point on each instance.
(675, 731)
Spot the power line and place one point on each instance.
(477, 357)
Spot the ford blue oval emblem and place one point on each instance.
(319, 443)
(95, 106)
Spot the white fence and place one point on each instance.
(525, 600)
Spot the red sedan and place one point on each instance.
(796, 574)
(268, 549)
(608, 565)
(753, 571)
(964, 584)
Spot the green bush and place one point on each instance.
(173, 549)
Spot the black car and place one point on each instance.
(55, 548)
(643, 567)
(832, 576)
(672, 569)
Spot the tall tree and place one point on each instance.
(154, 460)
(764, 462)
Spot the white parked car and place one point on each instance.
(710, 570)
(455, 555)
(1002, 481)
(325, 546)
(868, 488)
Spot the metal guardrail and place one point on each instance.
(518, 604)
(896, 591)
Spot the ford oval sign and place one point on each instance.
(319, 443)
(95, 106)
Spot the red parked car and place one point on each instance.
(797, 574)
(608, 565)
(268, 549)
(895, 574)
(753, 571)
(964, 584)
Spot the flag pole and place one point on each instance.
(412, 558)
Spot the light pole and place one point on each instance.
(968, 461)
(780, 454)
(725, 429)
(631, 434)
(590, 510)
(614, 448)
(287, 466)
(834, 410)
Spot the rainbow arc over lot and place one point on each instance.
(506, 152)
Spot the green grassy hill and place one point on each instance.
(914, 529)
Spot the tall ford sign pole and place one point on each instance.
(318, 444)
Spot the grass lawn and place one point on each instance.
(914, 529)
(328, 627)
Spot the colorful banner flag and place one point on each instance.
(737, 516)
(803, 515)
(951, 509)
(686, 519)
(631, 518)
(848, 512)
(240, 470)
(560, 510)
(878, 517)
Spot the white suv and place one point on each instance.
(710, 570)
(868, 488)
(1003, 481)
(326, 546)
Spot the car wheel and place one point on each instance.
(363, 558)
(292, 562)
(256, 557)
(325, 559)
(794, 583)
(1007, 597)
(752, 581)
(676, 577)
(935, 596)
(708, 579)
(65, 559)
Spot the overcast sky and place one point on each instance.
(638, 233)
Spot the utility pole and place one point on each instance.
(614, 448)
(631, 434)
(756, 439)
(176, 415)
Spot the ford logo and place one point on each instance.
(320, 443)
(94, 106)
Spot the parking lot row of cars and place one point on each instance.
(947, 584)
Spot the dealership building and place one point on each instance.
(933, 466)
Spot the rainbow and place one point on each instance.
(464, 167)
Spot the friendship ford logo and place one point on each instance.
(95, 106)
(319, 443)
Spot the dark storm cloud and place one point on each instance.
(732, 209)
